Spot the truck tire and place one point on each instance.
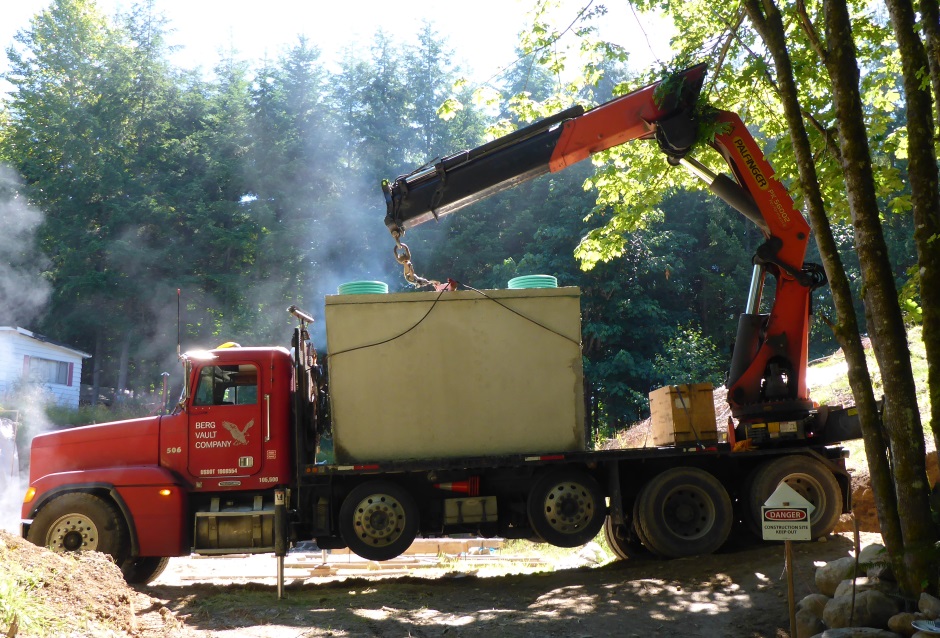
(566, 508)
(81, 522)
(379, 520)
(638, 525)
(143, 569)
(684, 511)
(810, 478)
(622, 540)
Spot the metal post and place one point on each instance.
(755, 291)
(280, 538)
(788, 551)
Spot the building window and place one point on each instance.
(48, 371)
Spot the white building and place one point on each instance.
(30, 358)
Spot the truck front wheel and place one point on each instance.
(143, 569)
(80, 522)
(379, 520)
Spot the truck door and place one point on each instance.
(225, 428)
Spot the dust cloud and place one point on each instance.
(23, 291)
(23, 295)
(28, 420)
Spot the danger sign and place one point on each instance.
(785, 516)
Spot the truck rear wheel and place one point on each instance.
(622, 541)
(379, 520)
(638, 528)
(143, 569)
(80, 522)
(684, 511)
(807, 476)
(566, 508)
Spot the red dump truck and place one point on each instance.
(462, 411)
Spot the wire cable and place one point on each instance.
(434, 304)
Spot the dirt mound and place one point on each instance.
(74, 595)
(863, 499)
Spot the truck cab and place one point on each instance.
(133, 488)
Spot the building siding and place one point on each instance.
(18, 347)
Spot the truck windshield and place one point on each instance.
(227, 385)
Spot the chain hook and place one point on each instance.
(403, 256)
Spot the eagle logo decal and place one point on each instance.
(239, 434)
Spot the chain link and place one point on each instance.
(403, 256)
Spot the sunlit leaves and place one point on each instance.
(449, 108)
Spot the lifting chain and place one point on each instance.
(403, 257)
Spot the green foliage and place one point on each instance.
(241, 190)
(909, 298)
(60, 416)
(690, 356)
(22, 612)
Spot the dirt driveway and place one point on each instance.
(739, 592)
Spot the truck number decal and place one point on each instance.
(174, 450)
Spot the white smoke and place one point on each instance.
(23, 295)
(26, 419)
(23, 291)
(10, 484)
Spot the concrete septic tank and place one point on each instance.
(421, 375)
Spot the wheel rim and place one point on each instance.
(568, 507)
(809, 488)
(72, 533)
(688, 512)
(379, 520)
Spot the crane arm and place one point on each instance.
(767, 379)
(549, 145)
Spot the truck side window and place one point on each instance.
(227, 385)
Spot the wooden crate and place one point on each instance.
(683, 414)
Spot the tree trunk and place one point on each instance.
(123, 365)
(771, 29)
(886, 325)
(930, 18)
(925, 190)
(96, 368)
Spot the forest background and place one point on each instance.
(258, 187)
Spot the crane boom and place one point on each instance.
(767, 379)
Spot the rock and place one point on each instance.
(592, 553)
(874, 560)
(864, 584)
(814, 603)
(832, 573)
(901, 623)
(808, 623)
(929, 606)
(872, 609)
(872, 553)
(857, 632)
